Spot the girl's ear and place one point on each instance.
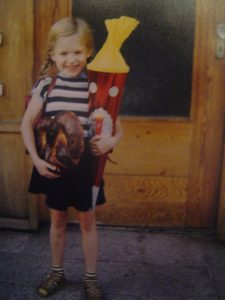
(53, 57)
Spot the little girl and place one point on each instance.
(69, 45)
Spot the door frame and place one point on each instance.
(207, 109)
(208, 116)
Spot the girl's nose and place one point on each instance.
(71, 57)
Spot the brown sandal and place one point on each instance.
(51, 284)
(92, 290)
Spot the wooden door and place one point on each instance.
(17, 209)
(168, 170)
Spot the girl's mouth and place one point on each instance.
(72, 68)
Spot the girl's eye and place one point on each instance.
(63, 53)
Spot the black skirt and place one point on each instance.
(73, 188)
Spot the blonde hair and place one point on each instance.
(62, 28)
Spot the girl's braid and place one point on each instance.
(46, 64)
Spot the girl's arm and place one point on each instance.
(33, 110)
(102, 144)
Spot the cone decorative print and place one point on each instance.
(107, 76)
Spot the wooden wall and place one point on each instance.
(149, 184)
(17, 207)
(45, 14)
(208, 115)
(16, 51)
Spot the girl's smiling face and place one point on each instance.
(70, 55)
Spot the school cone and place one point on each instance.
(107, 75)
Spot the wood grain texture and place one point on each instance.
(10, 126)
(208, 114)
(144, 200)
(46, 13)
(153, 148)
(12, 177)
(17, 209)
(16, 203)
(16, 52)
(146, 188)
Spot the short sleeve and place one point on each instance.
(41, 87)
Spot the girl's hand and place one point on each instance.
(46, 169)
(101, 144)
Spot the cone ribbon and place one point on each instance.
(107, 75)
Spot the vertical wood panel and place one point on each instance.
(12, 177)
(46, 13)
(208, 117)
(16, 52)
(17, 208)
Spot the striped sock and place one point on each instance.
(90, 276)
(59, 271)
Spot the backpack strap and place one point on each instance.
(50, 88)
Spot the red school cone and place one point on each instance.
(107, 75)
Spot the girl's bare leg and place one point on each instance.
(58, 236)
(89, 239)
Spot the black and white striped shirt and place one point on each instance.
(68, 94)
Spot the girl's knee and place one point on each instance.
(87, 221)
(59, 219)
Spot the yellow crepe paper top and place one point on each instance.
(109, 58)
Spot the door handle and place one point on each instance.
(220, 41)
(1, 88)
